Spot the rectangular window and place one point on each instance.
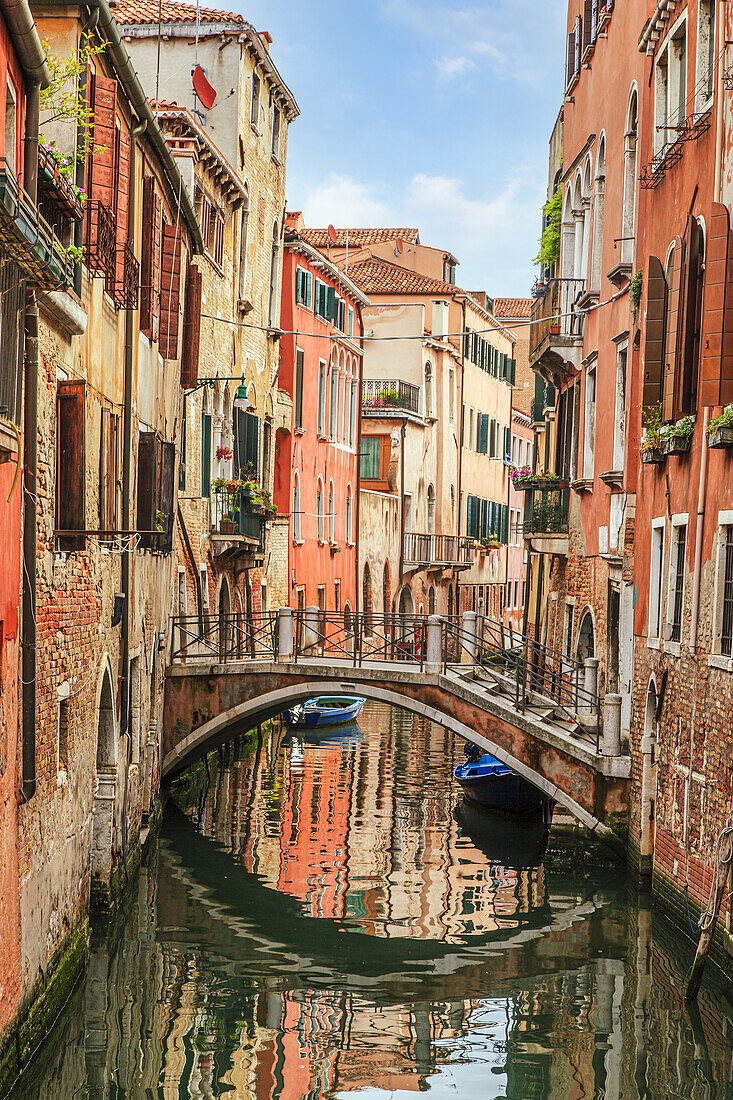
(70, 464)
(655, 578)
(298, 388)
(255, 110)
(333, 403)
(705, 53)
(276, 133)
(726, 618)
(351, 322)
(352, 414)
(108, 452)
(675, 600)
(470, 429)
(10, 126)
(155, 467)
(590, 423)
(321, 397)
(370, 455)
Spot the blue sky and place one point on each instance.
(425, 113)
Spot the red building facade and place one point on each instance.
(316, 462)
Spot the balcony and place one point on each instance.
(434, 551)
(100, 240)
(545, 524)
(28, 239)
(123, 287)
(389, 397)
(237, 525)
(556, 334)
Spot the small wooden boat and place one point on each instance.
(488, 782)
(325, 710)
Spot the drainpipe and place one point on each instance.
(30, 447)
(127, 524)
(703, 485)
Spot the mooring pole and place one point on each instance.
(709, 919)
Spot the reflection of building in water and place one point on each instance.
(369, 835)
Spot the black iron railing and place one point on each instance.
(555, 313)
(380, 397)
(100, 240)
(233, 512)
(546, 510)
(233, 636)
(124, 285)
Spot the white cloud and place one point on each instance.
(341, 200)
(450, 67)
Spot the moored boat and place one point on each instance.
(325, 710)
(488, 782)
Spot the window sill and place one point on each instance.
(300, 431)
(350, 544)
(253, 127)
(719, 660)
(276, 159)
(653, 643)
(298, 542)
(673, 648)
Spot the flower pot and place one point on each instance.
(676, 444)
(721, 437)
(228, 527)
(652, 457)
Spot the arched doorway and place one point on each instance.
(648, 782)
(366, 598)
(586, 638)
(431, 600)
(103, 816)
(225, 621)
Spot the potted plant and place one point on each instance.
(676, 438)
(521, 476)
(720, 429)
(223, 453)
(651, 441)
(219, 484)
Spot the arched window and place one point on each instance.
(319, 509)
(296, 508)
(428, 389)
(599, 200)
(333, 400)
(431, 510)
(450, 601)
(628, 220)
(272, 302)
(431, 600)
(386, 586)
(349, 518)
(348, 620)
(695, 277)
(586, 638)
(366, 598)
(331, 514)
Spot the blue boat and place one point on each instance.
(488, 782)
(325, 710)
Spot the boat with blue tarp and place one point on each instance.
(487, 781)
(325, 710)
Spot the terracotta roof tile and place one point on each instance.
(359, 238)
(375, 276)
(512, 307)
(137, 12)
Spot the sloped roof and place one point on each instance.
(512, 307)
(359, 238)
(376, 276)
(138, 12)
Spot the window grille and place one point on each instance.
(726, 638)
(679, 584)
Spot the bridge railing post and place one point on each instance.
(310, 629)
(612, 725)
(468, 638)
(285, 634)
(434, 646)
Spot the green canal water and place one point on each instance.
(318, 920)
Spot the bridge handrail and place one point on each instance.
(366, 636)
(233, 636)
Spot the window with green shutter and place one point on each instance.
(505, 523)
(351, 321)
(247, 445)
(205, 454)
(299, 388)
(370, 451)
(483, 433)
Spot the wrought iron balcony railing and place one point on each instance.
(234, 513)
(555, 313)
(27, 238)
(124, 286)
(384, 397)
(100, 240)
(423, 549)
(546, 510)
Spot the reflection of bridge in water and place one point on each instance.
(535, 709)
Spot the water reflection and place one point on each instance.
(322, 919)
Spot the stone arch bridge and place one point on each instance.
(534, 709)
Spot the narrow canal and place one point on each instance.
(318, 919)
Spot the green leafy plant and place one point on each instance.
(160, 520)
(725, 420)
(635, 288)
(684, 427)
(549, 252)
(219, 483)
(655, 429)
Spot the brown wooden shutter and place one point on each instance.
(686, 399)
(571, 57)
(673, 334)
(70, 464)
(104, 106)
(123, 202)
(656, 306)
(165, 495)
(147, 488)
(588, 24)
(191, 329)
(714, 306)
(170, 287)
(155, 267)
(146, 257)
(108, 471)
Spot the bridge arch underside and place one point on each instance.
(206, 709)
